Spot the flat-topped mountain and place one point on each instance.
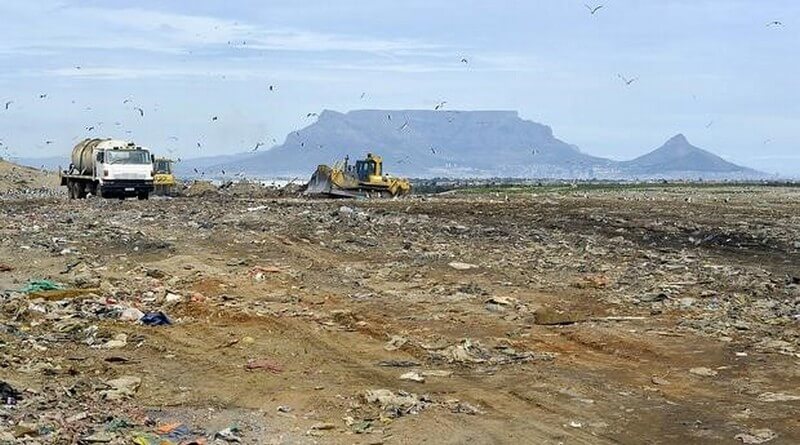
(427, 143)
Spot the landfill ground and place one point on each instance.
(630, 315)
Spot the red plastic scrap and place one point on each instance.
(264, 364)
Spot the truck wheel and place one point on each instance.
(143, 196)
(80, 191)
(74, 190)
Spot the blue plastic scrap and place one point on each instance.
(155, 319)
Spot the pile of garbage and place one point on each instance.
(199, 189)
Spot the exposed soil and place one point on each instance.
(576, 319)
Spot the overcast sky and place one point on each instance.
(711, 69)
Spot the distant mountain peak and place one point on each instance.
(678, 139)
(679, 155)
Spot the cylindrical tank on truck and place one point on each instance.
(109, 168)
(83, 156)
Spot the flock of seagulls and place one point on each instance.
(271, 88)
(592, 9)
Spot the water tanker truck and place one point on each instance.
(109, 168)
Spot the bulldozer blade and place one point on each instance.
(320, 184)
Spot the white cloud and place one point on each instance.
(129, 73)
(161, 32)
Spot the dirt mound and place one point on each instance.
(15, 178)
(200, 189)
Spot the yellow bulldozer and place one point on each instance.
(163, 178)
(365, 179)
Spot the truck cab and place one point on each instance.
(124, 171)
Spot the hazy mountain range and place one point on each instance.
(421, 143)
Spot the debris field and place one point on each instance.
(652, 314)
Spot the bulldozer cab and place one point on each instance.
(163, 166)
(372, 166)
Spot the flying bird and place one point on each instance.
(8, 104)
(90, 128)
(464, 61)
(708, 125)
(439, 106)
(312, 115)
(775, 23)
(272, 87)
(141, 112)
(127, 100)
(199, 145)
(48, 142)
(389, 116)
(433, 150)
(363, 95)
(627, 81)
(403, 127)
(258, 145)
(593, 10)
(43, 95)
(214, 118)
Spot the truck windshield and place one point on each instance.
(127, 157)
